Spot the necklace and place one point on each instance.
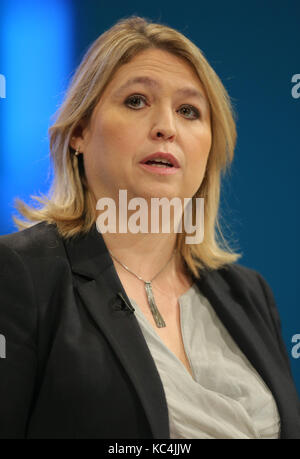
(148, 287)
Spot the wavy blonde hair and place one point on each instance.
(70, 204)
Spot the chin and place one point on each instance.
(157, 192)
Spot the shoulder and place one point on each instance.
(249, 289)
(38, 251)
(40, 238)
(240, 279)
(248, 286)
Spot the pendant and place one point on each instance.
(155, 312)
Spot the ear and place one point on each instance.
(78, 137)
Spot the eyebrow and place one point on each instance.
(147, 81)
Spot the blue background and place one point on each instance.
(254, 48)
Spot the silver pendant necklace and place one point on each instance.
(149, 292)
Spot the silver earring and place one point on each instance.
(77, 152)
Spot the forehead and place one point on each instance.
(159, 64)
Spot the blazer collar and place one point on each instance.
(88, 254)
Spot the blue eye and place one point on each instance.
(133, 102)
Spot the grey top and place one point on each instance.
(226, 397)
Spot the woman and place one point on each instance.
(138, 334)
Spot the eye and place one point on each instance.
(133, 101)
(190, 108)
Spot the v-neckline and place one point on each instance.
(161, 341)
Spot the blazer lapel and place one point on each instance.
(106, 300)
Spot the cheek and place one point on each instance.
(201, 148)
(199, 153)
(117, 137)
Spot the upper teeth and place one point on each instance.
(165, 161)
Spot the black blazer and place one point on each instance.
(77, 364)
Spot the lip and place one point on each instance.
(159, 154)
(160, 170)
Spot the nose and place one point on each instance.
(166, 135)
(164, 128)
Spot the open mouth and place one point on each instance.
(159, 163)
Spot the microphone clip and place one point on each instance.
(125, 305)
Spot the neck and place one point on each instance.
(149, 258)
(144, 254)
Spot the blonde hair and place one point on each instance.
(70, 204)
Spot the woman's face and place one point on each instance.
(164, 110)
